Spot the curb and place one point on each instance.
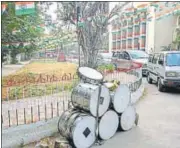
(137, 95)
(24, 134)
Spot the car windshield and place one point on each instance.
(138, 54)
(173, 59)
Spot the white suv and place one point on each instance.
(164, 69)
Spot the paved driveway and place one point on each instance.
(159, 123)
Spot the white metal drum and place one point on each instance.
(85, 96)
(127, 118)
(121, 98)
(89, 75)
(78, 127)
(108, 125)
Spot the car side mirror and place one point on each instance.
(160, 62)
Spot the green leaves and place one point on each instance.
(20, 29)
(11, 22)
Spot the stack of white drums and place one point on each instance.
(120, 102)
(96, 112)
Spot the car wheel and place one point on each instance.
(149, 79)
(161, 88)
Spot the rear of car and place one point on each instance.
(130, 59)
(139, 58)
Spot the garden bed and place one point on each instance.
(35, 78)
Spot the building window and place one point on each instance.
(132, 20)
(138, 17)
(118, 45)
(130, 32)
(119, 35)
(114, 45)
(143, 28)
(113, 36)
(144, 16)
(136, 29)
(123, 44)
(143, 42)
(136, 40)
(124, 33)
(129, 43)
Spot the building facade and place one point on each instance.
(144, 26)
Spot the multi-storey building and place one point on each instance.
(142, 26)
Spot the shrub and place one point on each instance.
(108, 67)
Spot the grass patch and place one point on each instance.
(34, 78)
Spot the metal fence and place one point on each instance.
(52, 103)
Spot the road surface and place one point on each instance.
(159, 123)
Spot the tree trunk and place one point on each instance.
(92, 59)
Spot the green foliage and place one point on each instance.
(177, 40)
(17, 30)
(108, 67)
(40, 90)
(166, 48)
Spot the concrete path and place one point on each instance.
(159, 123)
(10, 69)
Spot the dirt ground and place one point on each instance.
(48, 68)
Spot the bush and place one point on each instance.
(108, 67)
(40, 90)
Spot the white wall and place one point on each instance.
(150, 28)
(164, 29)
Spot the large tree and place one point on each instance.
(19, 33)
(94, 21)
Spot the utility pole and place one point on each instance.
(78, 15)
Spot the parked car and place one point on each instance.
(129, 59)
(164, 69)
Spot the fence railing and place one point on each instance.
(51, 102)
